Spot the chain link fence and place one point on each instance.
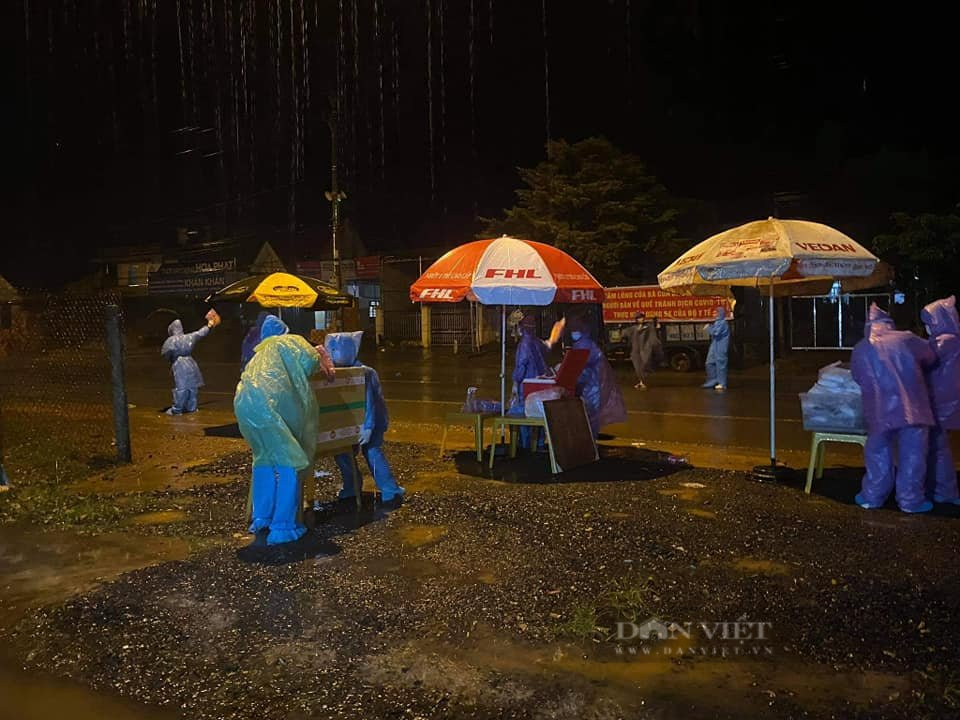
(56, 417)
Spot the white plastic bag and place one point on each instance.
(470, 406)
(834, 402)
(533, 404)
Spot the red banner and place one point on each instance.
(623, 303)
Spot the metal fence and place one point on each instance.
(55, 389)
(400, 326)
(451, 324)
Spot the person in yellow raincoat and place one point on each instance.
(277, 413)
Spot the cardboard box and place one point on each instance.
(341, 408)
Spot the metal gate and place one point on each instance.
(830, 322)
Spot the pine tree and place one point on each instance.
(599, 204)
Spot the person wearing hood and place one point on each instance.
(943, 382)
(646, 352)
(177, 350)
(531, 362)
(716, 364)
(597, 384)
(888, 365)
(251, 340)
(277, 413)
(344, 347)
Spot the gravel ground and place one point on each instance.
(492, 598)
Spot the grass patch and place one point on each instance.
(627, 600)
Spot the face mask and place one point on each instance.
(576, 335)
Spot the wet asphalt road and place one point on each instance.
(423, 386)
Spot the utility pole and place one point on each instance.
(334, 195)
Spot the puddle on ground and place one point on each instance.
(486, 577)
(41, 568)
(681, 493)
(432, 482)
(161, 517)
(702, 513)
(31, 696)
(406, 567)
(754, 566)
(660, 684)
(145, 477)
(420, 535)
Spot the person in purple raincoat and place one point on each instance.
(943, 381)
(531, 363)
(888, 365)
(251, 340)
(597, 385)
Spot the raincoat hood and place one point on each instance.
(344, 347)
(528, 322)
(272, 326)
(721, 313)
(878, 320)
(940, 317)
(175, 328)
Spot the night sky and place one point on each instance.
(128, 118)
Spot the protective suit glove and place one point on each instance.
(326, 367)
(365, 435)
(556, 333)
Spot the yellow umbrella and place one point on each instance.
(283, 290)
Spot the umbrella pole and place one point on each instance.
(772, 472)
(773, 384)
(503, 360)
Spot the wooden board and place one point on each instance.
(341, 408)
(569, 434)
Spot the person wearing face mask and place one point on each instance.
(597, 385)
(943, 382)
(888, 365)
(716, 364)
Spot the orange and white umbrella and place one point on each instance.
(507, 271)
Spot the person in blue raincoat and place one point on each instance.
(716, 364)
(531, 362)
(597, 384)
(177, 350)
(343, 348)
(251, 340)
(943, 382)
(888, 365)
(277, 414)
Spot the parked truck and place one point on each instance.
(681, 321)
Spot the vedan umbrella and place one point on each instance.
(506, 271)
(784, 257)
(283, 290)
